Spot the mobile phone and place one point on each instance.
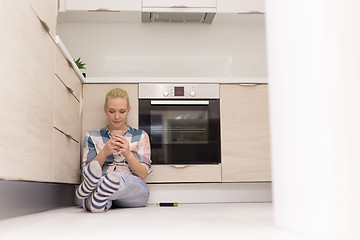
(117, 132)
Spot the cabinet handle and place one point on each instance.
(44, 24)
(165, 102)
(179, 6)
(67, 135)
(179, 166)
(103, 10)
(251, 12)
(70, 89)
(248, 84)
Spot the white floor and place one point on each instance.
(245, 221)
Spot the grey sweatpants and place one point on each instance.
(133, 192)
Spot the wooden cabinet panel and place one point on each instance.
(240, 6)
(126, 5)
(46, 10)
(179, 3)
(67, 74)
(186, 173)
(26, 93)
(67, 110)
(93, 105)
(245, 143)
(66, 159)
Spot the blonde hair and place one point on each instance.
(117, 92)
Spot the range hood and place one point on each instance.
(178, 11)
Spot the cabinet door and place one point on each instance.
(46, 10)
(245, 143)
(125, 5)
(67, 75)
(67, 111)
(66, 159)
(26, 93)
(93, 105)
(240, 6)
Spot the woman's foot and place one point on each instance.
(92, 174)
(108, 186)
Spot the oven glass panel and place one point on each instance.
(182, 134)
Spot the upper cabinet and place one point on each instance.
(240, 11)
(179, 3)
(223, 6)
(227, 11)
(241, 6)
(125, 11)
(103, 5)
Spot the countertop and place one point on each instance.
(177, 80)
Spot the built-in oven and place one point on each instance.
(183, 123)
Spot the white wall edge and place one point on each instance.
(211, 192)
(174, 80)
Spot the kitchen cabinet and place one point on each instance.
(66, 158)
(240, 6)
(66, 134)
(67, 111)
(103, 5)
(40, 96)
(67, 121)
(245, 141)
(26, 91)
(46, 11)
(93, 105)
(184, 173)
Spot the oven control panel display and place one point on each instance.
(179, 91)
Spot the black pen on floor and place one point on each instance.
(168, 204)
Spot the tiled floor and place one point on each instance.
(245, 221)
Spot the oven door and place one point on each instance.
(182, 132)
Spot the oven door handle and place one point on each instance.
(185, 102)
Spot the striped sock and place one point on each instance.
(92, 174)
(108, 187)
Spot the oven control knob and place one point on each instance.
(166, 93)
(192, 93)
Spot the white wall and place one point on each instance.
(167, 50)
(314, 91)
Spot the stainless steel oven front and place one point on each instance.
(182, 121)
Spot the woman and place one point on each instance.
(116, 161)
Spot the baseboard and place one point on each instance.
(211, 192)
(19, 198)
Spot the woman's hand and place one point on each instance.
(112, 146)
(123, 145)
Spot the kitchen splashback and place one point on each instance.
(168, 50)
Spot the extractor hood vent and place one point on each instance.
(178, 17)
(178, 11)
